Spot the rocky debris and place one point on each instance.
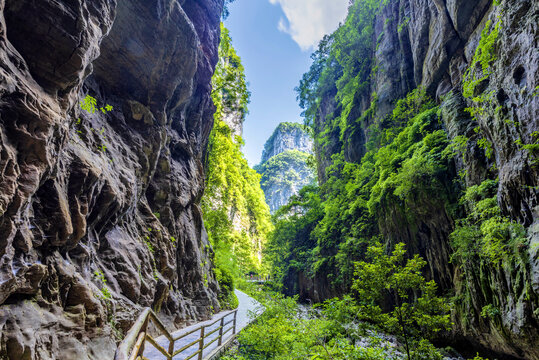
(284, 167)
(99, 213)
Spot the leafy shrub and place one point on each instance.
(485, 232)
(227, 298)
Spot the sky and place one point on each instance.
(274, 39)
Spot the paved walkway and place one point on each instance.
(246, 305)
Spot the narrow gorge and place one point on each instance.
(406, 205)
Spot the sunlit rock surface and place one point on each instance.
(285, 165)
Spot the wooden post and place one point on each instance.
(171, 348)
(221, 332)
(234, 328)
(201, 346)
(145, 329)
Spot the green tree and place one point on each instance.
(417, 313)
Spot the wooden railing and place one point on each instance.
(132, 347)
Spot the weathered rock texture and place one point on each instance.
(431, 44)
(284, 167)
(99, 213)
(287, 136)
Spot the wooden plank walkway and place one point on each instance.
(246, 305)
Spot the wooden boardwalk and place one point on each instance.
(220, 325)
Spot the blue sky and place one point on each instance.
(274, 39)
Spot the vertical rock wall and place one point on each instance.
(431, 44)
(284, 166)
(99, 212)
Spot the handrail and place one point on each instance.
(132, 347)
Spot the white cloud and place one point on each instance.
(307, 21)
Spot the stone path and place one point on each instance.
(246, 306)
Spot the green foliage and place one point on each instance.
(230, 93)
(89, 104)
(151, 249)
(477, 357)
(341, 66)
(533, 147)
(416, 102)
(403, 24)
(485, 232)
(289, 248)
(105, 292)
(227, 297)
(276, 332)
(325, 231)
(281, 334)
(285, 169)
(352, 51)
(148, 244)
(486, 145)
(479, 71)
(408, 166)
(413, 164)
(236, 215)
(418, 311)
(480, 64)
(457, 147)
(235, 212)
(411, 168)
(329, 331)
(489, 311)
(310, 90)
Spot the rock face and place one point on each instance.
(431, 44)
(99, 211)
(284, 167)
(287, 136)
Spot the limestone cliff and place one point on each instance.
(431, 44)
(284, 167)
(99, 210)
(236, 215)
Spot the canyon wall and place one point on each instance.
(431, 44)
(99, 208)
(284, 166)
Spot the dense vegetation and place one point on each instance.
(279, 171)
(345, 234)
(353, 327)
(337, 222)
(236, 215)
(356, 235)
